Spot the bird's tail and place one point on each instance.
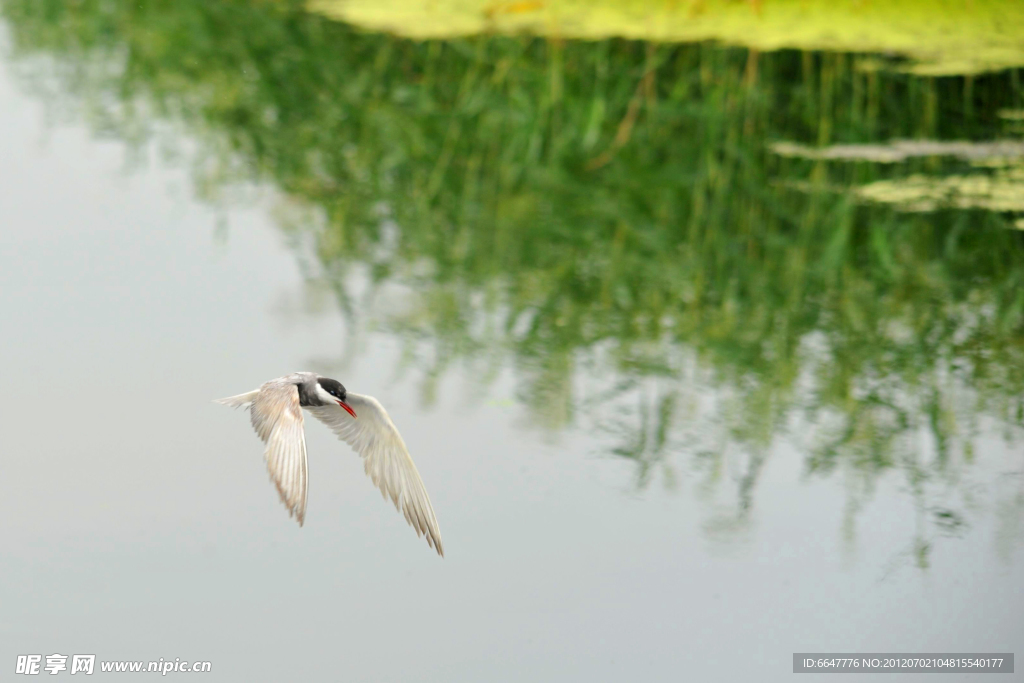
(238, 401)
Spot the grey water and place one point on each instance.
(137, 521)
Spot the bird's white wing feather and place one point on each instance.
(277, 419)
(374, 436)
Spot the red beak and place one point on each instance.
(347, 407)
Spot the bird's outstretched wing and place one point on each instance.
(374, 436)
(277, 418)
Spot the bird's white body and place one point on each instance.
(360, 421)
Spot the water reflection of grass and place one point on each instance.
(607, 220)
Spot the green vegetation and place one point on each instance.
(609, 221)
(938, 36)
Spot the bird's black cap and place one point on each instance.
(333, 387)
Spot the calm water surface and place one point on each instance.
(684, 405)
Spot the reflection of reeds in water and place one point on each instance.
(607, 219)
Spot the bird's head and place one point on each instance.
(333, 390)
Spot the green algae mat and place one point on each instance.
(935, 36)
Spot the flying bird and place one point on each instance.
(360, 421)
